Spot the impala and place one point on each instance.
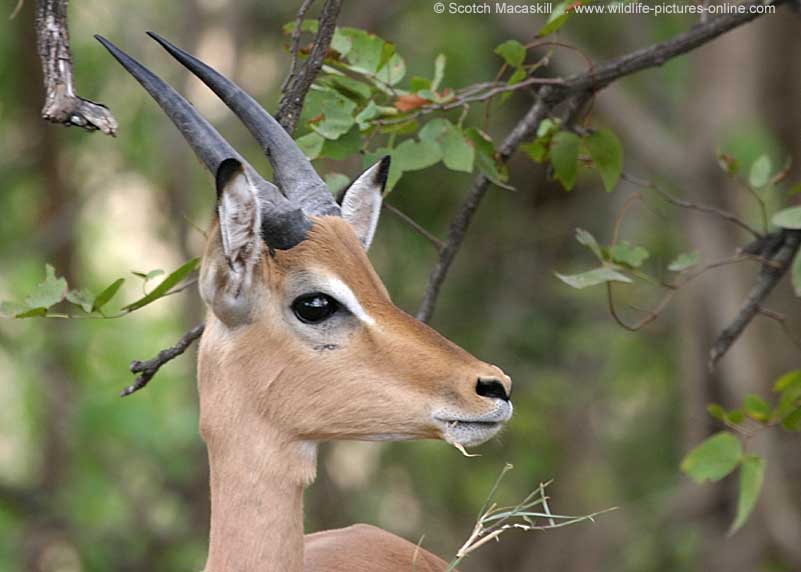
(303, 345)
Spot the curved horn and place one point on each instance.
(293, 171)
(284, 225)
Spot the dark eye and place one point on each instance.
(314, 308)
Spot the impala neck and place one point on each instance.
(257, 504)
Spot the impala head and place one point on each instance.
(302, 334)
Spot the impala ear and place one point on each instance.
(361, 202)
(238, 212)
(226, 276)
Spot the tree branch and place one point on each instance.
(549, 97)
(147, 369)
(524, 129)
(772, 271)
(656, 55)
(299, 80)
(62, 103)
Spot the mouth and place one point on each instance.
(469, 432)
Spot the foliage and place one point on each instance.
(54, 291)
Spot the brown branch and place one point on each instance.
(62, 103)
(414, 225)
(299, 80)
(772, 271)
(147, 369)
(685, 204)
(781, 319)
(524, 129)
(294, 49)
(656, 55)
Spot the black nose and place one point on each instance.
(491, 388)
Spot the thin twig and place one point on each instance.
(658, 54)
(681, 281)
(299, 81)
(685, 204)
(524, 129)
(782, 321)
(295, 41)
(769, 276)
(414, 225)
(147, 369)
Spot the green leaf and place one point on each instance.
(789, 388)
(349, 87)
(593, 277)
(341, 42)
(311, 144)
(714, 458)
(564, 157)
(12, 309)
(759, 176)
(49, 292)
(536, 150)
(606, 152)
(519, 75)
(332, 112)
(367, 51)
(513, 52)
(557, 19)
(370, 111)
(794, 190)
(788, 381)
(415, 155)
(486, 157)
(394, 70)
(756, 408)
(83, 298)
(788, 218)
(336, 182)
(795, 274)
(628, 254)
(457, 153)
(735, 416)
(343, 147)
(148, 275)
(165, 286)
(716, 411)
(684, 261)
(417, 83)
(792, 421)
(310, 26)
(547, 127)
(586, 239)
(439, 73)
(107, 294)
(33, 313)
(752, 473)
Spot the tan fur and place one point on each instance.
(269, 391)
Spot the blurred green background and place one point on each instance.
(90, 482)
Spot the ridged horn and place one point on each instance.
(283, 225)
(294, 173)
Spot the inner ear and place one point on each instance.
(239, 214)
(228, 273)
(361, 202)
